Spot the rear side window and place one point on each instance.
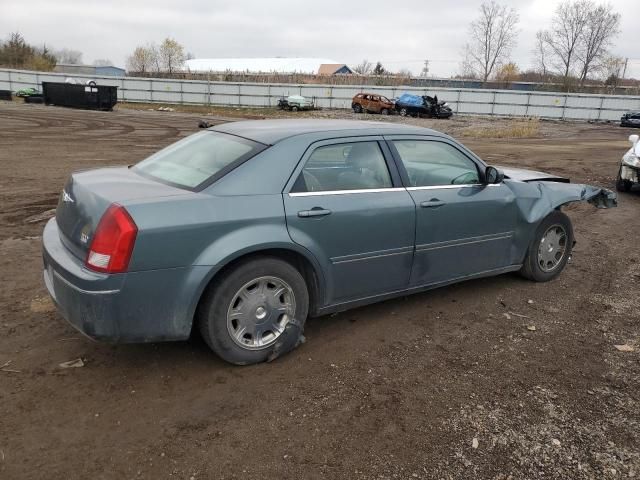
(198, 160)
(344, 166)
(430, 163)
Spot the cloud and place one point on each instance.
(400, 34)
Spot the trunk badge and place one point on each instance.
(66, 198)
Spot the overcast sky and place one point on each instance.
(399, 34)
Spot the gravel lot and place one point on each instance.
(449, 384)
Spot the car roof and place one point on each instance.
(272, 131)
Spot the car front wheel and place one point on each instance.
(252, 308)
(550, 248)
(623, 185)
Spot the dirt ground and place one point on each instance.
(449, 384)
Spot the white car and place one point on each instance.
(629, 172)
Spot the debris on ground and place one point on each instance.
(77, 363)
(625, 348)
(4, 368)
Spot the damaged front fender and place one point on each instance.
(536, 199)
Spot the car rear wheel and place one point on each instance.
(404, 112)
(294, 108)
(550, 249)
(384, 111)
(357, 108)
(248, 311)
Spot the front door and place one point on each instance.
(463, 227)
(346, 208)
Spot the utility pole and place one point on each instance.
(624, 70)
(425, 69)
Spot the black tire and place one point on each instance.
(212, 312)
(623, 185)
(384, 111)
(404, 112)
(531, 268)
(294, 108)
(357, 108)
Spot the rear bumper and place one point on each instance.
(131, 307)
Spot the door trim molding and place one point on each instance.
(371, 255)
(425, 247)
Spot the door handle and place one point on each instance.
(433, 203)
(314, 212)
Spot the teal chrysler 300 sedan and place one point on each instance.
(245, 229)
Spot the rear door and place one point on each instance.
(463, 227)
(345, 203)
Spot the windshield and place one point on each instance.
(198, 160)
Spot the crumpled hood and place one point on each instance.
(523, 175)
(535, 199)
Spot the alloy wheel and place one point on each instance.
(552, 248)
(259, 312)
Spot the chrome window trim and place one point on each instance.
(346, 192)
(466, 185)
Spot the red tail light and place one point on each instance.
(113, 241)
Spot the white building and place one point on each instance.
(320, 66)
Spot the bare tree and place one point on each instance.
(602, 25)
(581, 33)
(610, 69)
(493, 35)
(541, 54)
(171, 55)
(364, 67)
(567, 28)
(141, 60)
(68, 56)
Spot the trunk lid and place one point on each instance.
(87, 195)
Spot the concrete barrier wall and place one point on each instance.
(463, 101)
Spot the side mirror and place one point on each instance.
(493, 175)
(633, 139)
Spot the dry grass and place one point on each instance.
(520, 128)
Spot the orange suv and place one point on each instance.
(372, 103)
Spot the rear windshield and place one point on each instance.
(198, 160)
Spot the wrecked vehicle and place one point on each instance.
(294, 103)
(630, 119)
(629, 171)
(243, 230)
(422, 106)
(27, 92)
(372, 103)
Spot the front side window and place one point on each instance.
(197, 159)
(344, 166)
(431, 163)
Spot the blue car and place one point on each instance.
(243, 230)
